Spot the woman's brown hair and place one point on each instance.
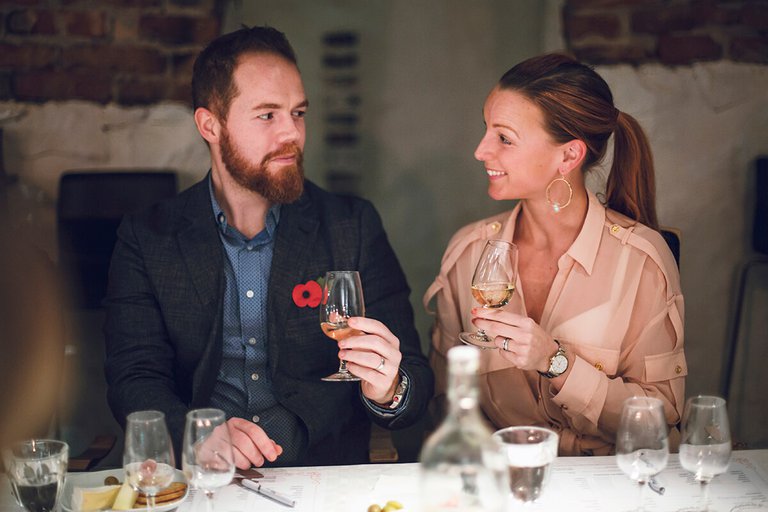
(578, 104)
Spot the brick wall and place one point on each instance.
(672, 32)
(124, 51)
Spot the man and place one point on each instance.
(207, 302)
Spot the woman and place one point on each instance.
(598, 312)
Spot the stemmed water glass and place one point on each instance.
(642, 446)
(492, 284)
(705, 445)
(207, 458)
(148, 457)
(342, 299)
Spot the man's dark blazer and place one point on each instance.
(164, 310)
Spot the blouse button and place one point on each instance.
(678, 369)
(599, 366)
(615, 228)
(496, 226)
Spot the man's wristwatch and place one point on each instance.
(399, 392)
(558, 363)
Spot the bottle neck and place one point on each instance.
(462, 395)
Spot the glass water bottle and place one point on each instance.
(462, 466)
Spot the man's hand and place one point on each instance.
(373, 356)
(250, 444)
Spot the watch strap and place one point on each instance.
(549, 373)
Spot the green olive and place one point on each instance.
(388, 508)
(111, 480)
(374, 508)
(396, 505)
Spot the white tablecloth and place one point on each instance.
(577, 483)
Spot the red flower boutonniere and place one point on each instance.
(308, 294)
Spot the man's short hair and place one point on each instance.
(213, 86)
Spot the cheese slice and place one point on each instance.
(86, 499)
(125, 498)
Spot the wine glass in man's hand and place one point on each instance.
(342, 299)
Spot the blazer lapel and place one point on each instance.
(200, 245)
(201, 252)
(296, 235)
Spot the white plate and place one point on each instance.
(96, 479)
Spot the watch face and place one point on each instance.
(558, 365)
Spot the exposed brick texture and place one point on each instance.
(131, 52)
(672, 32)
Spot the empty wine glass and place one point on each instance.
(36, 470)
(207, 458)
(342, 299)
(642, 446)
(492, 284)
(705, 444)
(148, 457)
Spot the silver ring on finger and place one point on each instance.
(381, 365)
(505, 345)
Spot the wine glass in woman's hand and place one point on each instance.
(492, 284)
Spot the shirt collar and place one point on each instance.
(273, 215)
(584, 248)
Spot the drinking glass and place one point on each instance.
(36, 470)
(492, 284)
(342, 298)
(207, 458)
(529, 453)
(705, 444)
(642, 446)
(148, 457)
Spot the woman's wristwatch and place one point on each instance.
(558, 363)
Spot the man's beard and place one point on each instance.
(284, 186)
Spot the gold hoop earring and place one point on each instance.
(556, 206)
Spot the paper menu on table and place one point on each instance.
(305, 486)
(603, 487)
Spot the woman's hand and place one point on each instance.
(529, 347)
(375, 357)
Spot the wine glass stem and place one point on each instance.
(704, 505)
(343, 367)
(640, 496)
(208, 501)
(150, 502)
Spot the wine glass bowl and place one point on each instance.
(148, 457)
(642, 445)
(36, 470)
(493, 284)
(342, 299)
(207, 458)
(705, 441)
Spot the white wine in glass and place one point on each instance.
(207, 458)
(342, 299)
(705, 444)
(148, 457)
(642, 445)
(493, 284)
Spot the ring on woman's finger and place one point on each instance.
(505, 345)
(381, 365)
